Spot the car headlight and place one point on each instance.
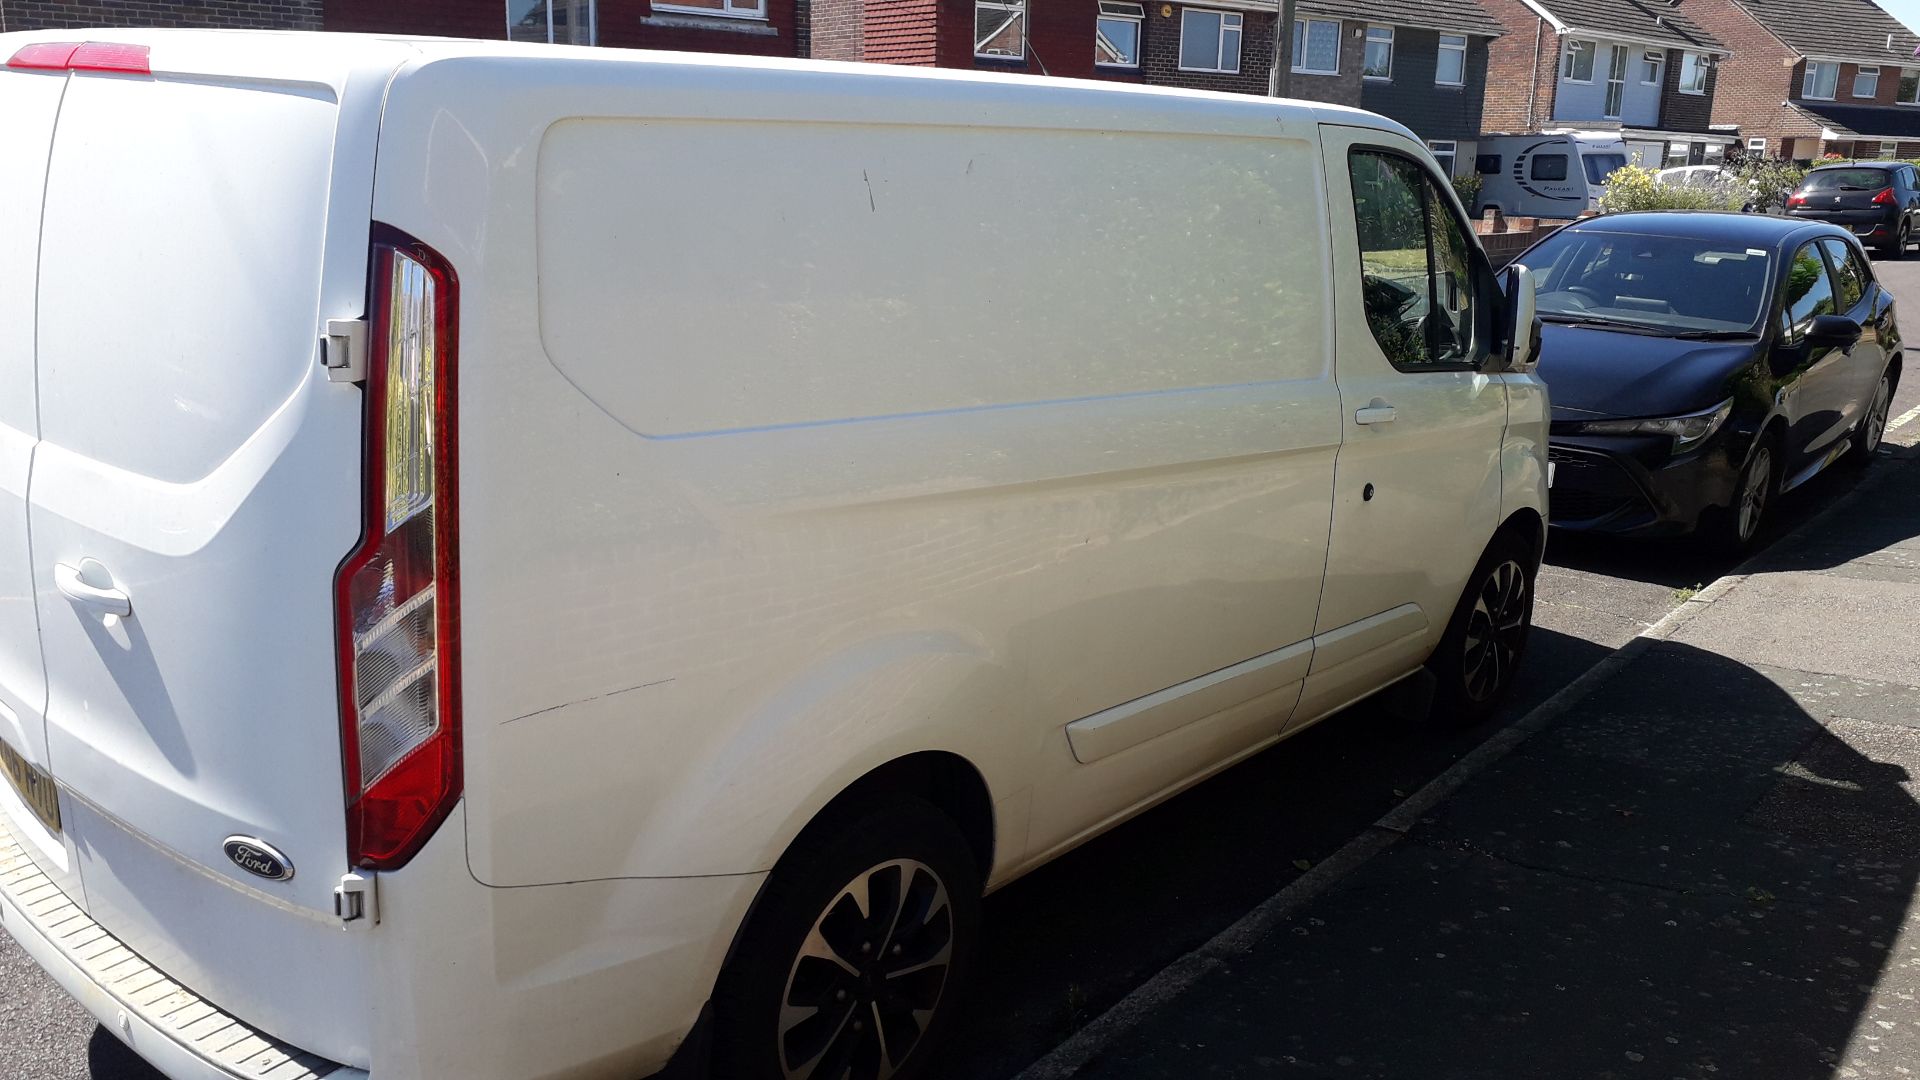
(1684, 430)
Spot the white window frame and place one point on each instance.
(1757, 145)
(732, 9)
(593, 20)
(1860, 73)
(1693, 73)
(1618, 60)
(1451, 43)
(1811, 80)
(1451, 149)
(1576, 47)
(1655, 61)
(1120, 11)
(1238, 26)
(1386, 35)
(1016, 11)
(1305, 28)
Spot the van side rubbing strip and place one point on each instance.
(1110, 731)
(228, 1044)
(1358, 638)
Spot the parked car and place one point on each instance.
(719, 516)
(1880, 204)
(1702, 363)
(1714, 179)
(1549, 175)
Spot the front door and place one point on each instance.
(1417, 482)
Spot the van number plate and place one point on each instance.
(35, 787)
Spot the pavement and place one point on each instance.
(1697, 861)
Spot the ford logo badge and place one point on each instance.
(259, 858)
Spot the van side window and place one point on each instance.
(1548, 167)
(1809, 291)
(1486, 164)
(1416, 264)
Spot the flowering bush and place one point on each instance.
(1631, 187)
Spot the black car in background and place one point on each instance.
(1701, 363)
(1880, 204)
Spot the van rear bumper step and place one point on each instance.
(182, 1035)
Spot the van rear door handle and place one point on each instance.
(1376, 412)
(105, 600)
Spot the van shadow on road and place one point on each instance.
(1705, 870)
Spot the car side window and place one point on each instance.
(1809, 291)
(1849, 278)
(1416, 264)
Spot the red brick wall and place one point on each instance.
(1887, 93)
(623, 24)
(232, 14)
(1161, 48)
(1514, 67)
(838, 29)
(900, 31)
(1685, 112)
(1059, 40)
(1752, 82)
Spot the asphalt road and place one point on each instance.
(1071, 939)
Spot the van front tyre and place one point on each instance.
(852, 959)
(1480, 654)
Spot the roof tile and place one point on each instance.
(1841, 29)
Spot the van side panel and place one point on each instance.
(833, 416)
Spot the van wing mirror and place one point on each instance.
(1523, 327)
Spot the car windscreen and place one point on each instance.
(1601, 166)
(1665, 284)
(1846, 180)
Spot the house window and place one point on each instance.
(1909, 87)
(1450, 66)
(999, 28)
(733, 9)
(1693, 73)
(1316, 47)
(563, 22)
(1866, 82)
(1116, 37)
(1653, 65)
(1443, 153)
(1757, 148)
(1676, 154)
(1578, 64)
(1379, 58)
(1821, 81)
(1616, 82)
(1209, 40)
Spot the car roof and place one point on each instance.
(1713, 226)
(1856, 165)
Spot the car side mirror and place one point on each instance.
(1523, 325)
(1832, 332)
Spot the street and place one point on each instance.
(1075, 937)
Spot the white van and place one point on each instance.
(515, 555)
(1551, 175)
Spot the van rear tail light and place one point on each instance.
(398, 594)
(84, 56)
(1885, 198)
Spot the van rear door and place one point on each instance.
(200, 473)
(29, 102)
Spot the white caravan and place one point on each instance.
(1551, 175)
(526, 561)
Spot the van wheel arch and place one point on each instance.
(1526, 524)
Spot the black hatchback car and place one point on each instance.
(1701, 363)
(1880, 204)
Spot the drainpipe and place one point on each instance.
(1533, 80)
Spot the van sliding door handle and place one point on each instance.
(1376, 412)
(106, 601)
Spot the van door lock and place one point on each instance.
(343, 352)
(355, 901)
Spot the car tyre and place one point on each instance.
(1873, 425)
(1733, 530)
(1475, 664)
(1897, 249)
(851, 960)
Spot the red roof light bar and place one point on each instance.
(84, 56)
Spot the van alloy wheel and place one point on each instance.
(1754, 491)
(1496, 630)
(869, 976)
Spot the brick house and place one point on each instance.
(1807, 78)
(1639, 66)
(758, 27)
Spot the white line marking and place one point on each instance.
(1905, 418)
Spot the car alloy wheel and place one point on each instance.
(1876, 426)
(869, 976)
(1496, 630)
(1754, 491)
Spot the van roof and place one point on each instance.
(310, 56)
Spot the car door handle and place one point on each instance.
(106, 601)
(1376, 412)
